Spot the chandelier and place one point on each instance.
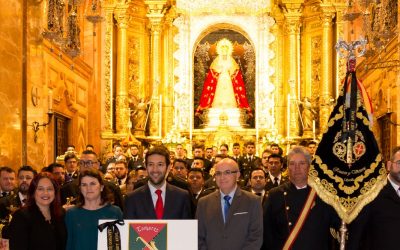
(63, 23)
(378, 19)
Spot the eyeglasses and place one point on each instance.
(397, 163)
(225, 173)
(258, 177)
(88, 164)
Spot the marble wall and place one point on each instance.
(11, 83)
(52, 79)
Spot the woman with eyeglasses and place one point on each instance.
(40, 224)
(93, 205)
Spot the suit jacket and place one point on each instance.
(74, 176)
(246, 165)
(270, 183)
(282, 210)
(377, 225)
(71, 189)
(263, 198)
(139, 205)
(243, 229)
(235, 158)
(195, 197)
(8, 205)
(132, 165)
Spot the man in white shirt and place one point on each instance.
(157, 199)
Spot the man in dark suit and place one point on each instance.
(71, 167)
(198, 152)
(157, 199)
(376, 227)
(229, 218)
(285, 209)
(236, 151)
(15, 200)
(258, 181)
(248, 161)
(196, 186)
(174, 177)
(70, 191)
(135, 160)
(274, 176)
(7, 181)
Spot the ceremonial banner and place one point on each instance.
(154, 235)
(347, 171)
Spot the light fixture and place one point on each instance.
(93, 12)
(36, 125)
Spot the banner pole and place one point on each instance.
(343, 233)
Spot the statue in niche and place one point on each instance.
(224, 86)
(138, 113)
(308, 114)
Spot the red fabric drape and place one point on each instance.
(210, 85)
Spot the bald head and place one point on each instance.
(227, 162)
(226, 175)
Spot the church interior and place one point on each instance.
(188, 71)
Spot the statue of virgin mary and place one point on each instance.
(224, 86)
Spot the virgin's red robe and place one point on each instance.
(210, 85)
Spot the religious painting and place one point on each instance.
(224, 80)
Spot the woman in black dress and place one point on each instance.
(40, 225)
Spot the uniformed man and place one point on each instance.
(294, 216)
(248, 161)
(275, 177)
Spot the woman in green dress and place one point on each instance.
(93, 205)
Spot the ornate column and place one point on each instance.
(168, 65)
(122, 105)
(340, 62)
(326, 93)
(155, 15)
(293, 13)
(108, 71)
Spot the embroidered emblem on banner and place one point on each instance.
(340, 149)
(148, 236)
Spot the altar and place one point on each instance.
(174, 67)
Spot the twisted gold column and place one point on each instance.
(122, 106)
(326, 93)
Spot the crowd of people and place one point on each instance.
(241, 201)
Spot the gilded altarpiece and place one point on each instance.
(243, 53)
(196, 19)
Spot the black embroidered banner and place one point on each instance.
(347, 171)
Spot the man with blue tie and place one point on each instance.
(229, 218)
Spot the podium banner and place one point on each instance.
(151, 235)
